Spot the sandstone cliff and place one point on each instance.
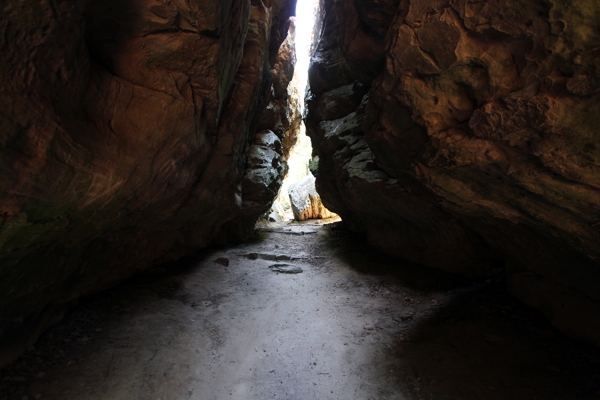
(463, 135)
(125, 128)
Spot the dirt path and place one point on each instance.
(352, 325)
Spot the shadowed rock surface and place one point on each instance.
(463, 136)
(125, 129)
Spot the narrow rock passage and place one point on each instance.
(352, 325)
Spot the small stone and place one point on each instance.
(37, 396)
(286, 268)
(41, 375)
(70, 363)
(222, 261)
(406, 317)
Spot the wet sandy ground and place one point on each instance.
(352, 325)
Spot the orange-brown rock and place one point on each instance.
(124, 132)
(476, 148)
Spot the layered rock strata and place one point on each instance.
(463, 136)
(125, 128)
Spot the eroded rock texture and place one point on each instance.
(463, 135)
(124, 133)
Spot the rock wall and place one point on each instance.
(463, 135)
(267, 158)
(125, 127)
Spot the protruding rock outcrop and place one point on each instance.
(262, 180)
(124, 129)
(463, 136)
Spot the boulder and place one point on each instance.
(306, 202)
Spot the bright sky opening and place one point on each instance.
(305, 19)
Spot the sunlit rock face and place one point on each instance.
(464, 136)
(125, 128)
(305, 201)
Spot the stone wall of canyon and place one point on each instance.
(463, 135)
(131, 131)
(457, 134)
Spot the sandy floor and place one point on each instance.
(352, 325)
